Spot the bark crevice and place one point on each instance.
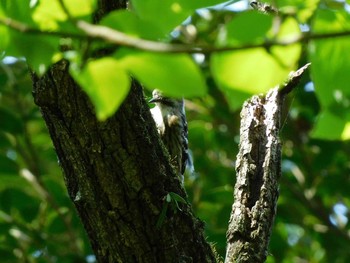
(258, 169)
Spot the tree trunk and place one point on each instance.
(258, 168)
(256, 190)
(117, 174)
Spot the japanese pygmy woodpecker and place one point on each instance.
(169, 116)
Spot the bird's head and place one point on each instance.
(160, 100)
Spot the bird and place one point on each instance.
(170, 119)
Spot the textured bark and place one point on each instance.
(258, 169)
(256, 189)
(117, 175)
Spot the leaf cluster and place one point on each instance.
(166, 46)
(214, 55)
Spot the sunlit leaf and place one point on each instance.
(257, 70)
(48, 13)
(251, 71)
(330, 73)
(302, 9)
(346, 131)
(4, 39)
(128, 22)
(330, 57)
(17, 10)
(287, 56)
(235, 98)
(80, 7)
(248, 27)
(325, 121)
(3, 35)
(195, 4)
(171, 13)
(106, 83)
(175, 74)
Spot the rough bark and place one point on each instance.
(256, 189)
(257, 172)
(117, 174)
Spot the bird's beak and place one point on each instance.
(153, 100)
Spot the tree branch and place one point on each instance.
(258, 169)
(24, 28)
(103, 33)
(292, 81)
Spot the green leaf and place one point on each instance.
(17, 10)
(38, 50)
(162, 215)
(330, 73)
(195, 4)
(346, 132)
(176, 75)
(257, 70)
(4, 35)
(48, 13)
(79, 8)
(287, 56)
(339, 127)
(330, 57)
(128, 22)
(171, 13)
(248, 27)
(106, 83)
(235, 98)
(176, 197)
(251, 71)
(303, 9)
(168, 198)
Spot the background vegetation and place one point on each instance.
(37, 220)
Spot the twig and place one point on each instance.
(292, 81)
(24, 28)
(119, 38)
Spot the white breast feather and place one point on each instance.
(158, 119)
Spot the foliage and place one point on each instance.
(216, 58)
(37, 219)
